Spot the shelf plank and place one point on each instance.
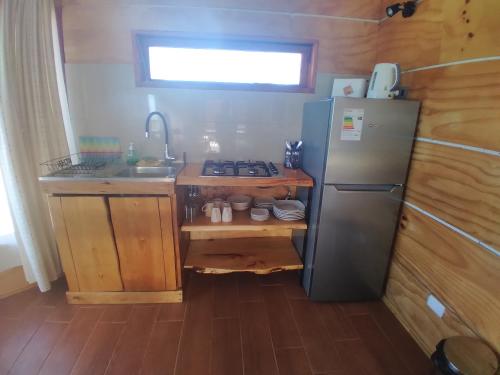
(241, 222)
(191, 175)
(257, 255)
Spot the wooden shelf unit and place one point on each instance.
(241, 222)
(260, 255)
(244, 245)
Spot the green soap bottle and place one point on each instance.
(132, 156)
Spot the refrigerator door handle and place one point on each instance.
(374, 188)
(395, 187)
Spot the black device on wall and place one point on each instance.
(407, 7)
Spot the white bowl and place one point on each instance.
(259, 214)
(240, 202)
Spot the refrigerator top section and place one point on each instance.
(370, 140)
(315, 132)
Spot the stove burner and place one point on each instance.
(219, 170)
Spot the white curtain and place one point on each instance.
(31, 127)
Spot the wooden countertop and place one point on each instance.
(109, 181)
(108, 186)
(191, 175)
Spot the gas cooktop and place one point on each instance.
(229, 168)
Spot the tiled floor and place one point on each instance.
(231, 324)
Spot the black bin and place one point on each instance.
(462, 355)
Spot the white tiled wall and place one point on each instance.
(204, 123)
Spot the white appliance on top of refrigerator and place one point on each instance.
(358, 152)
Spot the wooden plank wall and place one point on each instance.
(457, 182)
(99, 31)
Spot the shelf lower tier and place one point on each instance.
(257, 255)
(241, 222)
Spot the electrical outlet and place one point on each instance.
(435, 305)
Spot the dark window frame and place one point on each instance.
(144, 39)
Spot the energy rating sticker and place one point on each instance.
(352, 124)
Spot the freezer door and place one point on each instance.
(380, 152)
(315, 133)
(354, 241)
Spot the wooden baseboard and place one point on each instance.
(171, 296)
(418, 339)
(12, 281)
(406, 297)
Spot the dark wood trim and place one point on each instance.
(143, 39)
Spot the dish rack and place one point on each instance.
(81, 163)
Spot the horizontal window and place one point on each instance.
(224, 63)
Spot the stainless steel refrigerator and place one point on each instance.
(358, 152)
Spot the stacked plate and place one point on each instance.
(289, 210)
(262, 202)
(259, 214)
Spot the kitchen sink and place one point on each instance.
(148, 172)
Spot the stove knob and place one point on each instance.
(273, 168)
(218, 171)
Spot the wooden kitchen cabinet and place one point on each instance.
(118, 249)
(82, 225)
(145, 242)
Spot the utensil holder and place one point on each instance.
(293, 155)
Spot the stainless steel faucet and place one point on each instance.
(160, 115)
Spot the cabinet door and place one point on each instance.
(143, 249)
(63, 246)
(90, 238)
(167, 213)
